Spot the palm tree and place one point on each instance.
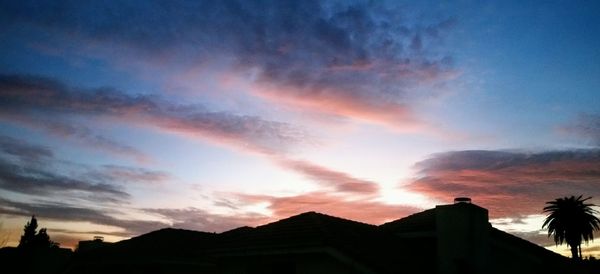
(571, 220)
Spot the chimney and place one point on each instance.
(462, 237)
(465, 200)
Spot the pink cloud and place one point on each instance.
(509, 183)
(395, 115)
(361, 209)
(27, 98)
(338, 181)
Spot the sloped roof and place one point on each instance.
(524, 245)
(421, 221)
(306, 229)
(383, 249)
(364, 243)
(167, 243)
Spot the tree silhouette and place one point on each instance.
(29, 231)
(571, 220)
(30, 239)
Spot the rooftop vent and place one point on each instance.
(98, 238)
(462, 200)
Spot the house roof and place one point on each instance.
(363, 243)
(422, 221)
(306, 229)
(400, 244)
(167, 243)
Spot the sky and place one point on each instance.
(118, 118)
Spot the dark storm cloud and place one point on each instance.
(65, 212)
(32, 96)
(364, 56)
(509, 183)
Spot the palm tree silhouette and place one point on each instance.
(571, 220)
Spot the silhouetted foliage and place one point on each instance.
(571, 220)
(30, 239)
(28, 233)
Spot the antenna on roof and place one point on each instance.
(462, 200)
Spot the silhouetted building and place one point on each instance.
(447, 239)
(34, 260)
(97, 242)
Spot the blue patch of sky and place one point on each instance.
(77, 69)
(531, 65)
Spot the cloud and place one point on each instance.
(32, 96)
(364, 60)
(24, 151)
(130, 174)
(509, 183)
(585, 126)
(361, 209)
(34, 178)
(71, 129)
(65, 212)
(338, 181)
(539, 237)
(34, 170)
(65, 232)
(202, 220)
(36, 181)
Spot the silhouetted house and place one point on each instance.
(34, 260)
(97, 242)
(454, 238)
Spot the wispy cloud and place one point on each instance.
(75, 131)
(509, 183)
(586, 126)
(32, 96)
(202, 220)
(66, 212)
(329, 178)
(25, 151)
(34, 170)
(363, 60)
(360, 209)
(34, 178)
(129, 174)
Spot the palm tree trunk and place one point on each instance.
(574, 253)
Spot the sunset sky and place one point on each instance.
(119, 118)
